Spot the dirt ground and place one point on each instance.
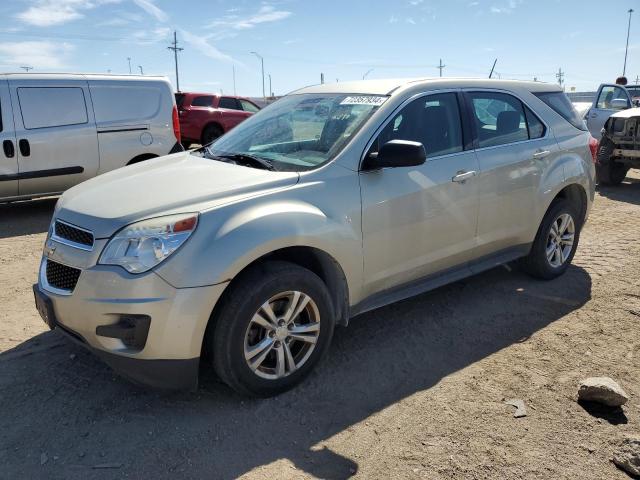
(413, 390)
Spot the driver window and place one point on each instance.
(433, 120)
(607, 96)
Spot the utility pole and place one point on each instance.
(560, 77)
(26, 68)
(129, 60)
(140, 67)
(637, 79)
(270, 89)
(440, 67)
(234, 79)
(493, 67)
(322, 78)
(176, 49)
(264, 96)
(626, 50)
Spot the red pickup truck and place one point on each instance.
(205, 116)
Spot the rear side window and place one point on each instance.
(124, 102)
(561, 104)
(203, 101)
(248, 106)
(43, 107)
(499, 119)
(230, 103)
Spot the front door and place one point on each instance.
(610, 99)
(8, 158)
(417, 221)
(56, 133)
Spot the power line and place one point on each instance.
(176, 49)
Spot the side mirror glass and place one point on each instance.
(619, 104)
(397, 153)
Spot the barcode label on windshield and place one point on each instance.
(364, 100)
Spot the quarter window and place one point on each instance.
(248, 106)
(433, 120)
(535, 126)
(499, 119)
(52, 106)
(203, 101)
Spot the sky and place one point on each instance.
(344, 39)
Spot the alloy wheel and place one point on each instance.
(560, 240)
(282, 335)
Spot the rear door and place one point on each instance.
(513, 146)
(8, 159)
(610, 99)
(56, 134)
(233, 113)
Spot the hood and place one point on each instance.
(628, 113)
(177, 183)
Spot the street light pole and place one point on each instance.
(626, 50)
(270, 89)
(264, 96)
(140, 67)
(129, 60)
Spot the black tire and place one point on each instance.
(186, 145)
(232, 320)
(210, 133)
(608, 171)
(536, 263)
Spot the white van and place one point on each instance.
(58, 130)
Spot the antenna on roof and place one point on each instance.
(494, 66)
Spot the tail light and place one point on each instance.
(176, 123)
(593, 146)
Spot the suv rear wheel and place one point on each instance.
(608, 171)
(272, 329)
(555, 243)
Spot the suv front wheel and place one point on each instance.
(272, 328)
(555, 243)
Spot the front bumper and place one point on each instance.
(167, 354)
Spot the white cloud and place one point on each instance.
(42, 55)
(204, 47)
(46, 13)
(265, 14)
(149, 37)
(507, 7)
(152, 9)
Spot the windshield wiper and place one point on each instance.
(247, 158)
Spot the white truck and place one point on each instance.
(610, 99)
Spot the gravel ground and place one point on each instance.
(412, 390)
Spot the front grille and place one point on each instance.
(73, 234)
(62, 277)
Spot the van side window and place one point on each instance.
(433, 120)
(230, 103)
(499, 119)
(120, 103)
(43, 107)
(204, 101)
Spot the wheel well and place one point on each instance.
(215, 124)
(577, 196)
(142, 158)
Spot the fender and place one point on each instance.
(241, 234)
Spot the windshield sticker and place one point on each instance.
(364, 100)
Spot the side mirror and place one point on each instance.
(397, 153)
(619, 104)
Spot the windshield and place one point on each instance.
(299, 132)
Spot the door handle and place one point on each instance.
(540, 154)
(25, 148)
(594, 115)
(463, 176)
(9, 149)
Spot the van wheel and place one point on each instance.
(555, 243)
(211, 132)
(608, 171)
(272, 328)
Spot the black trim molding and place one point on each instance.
(52, 172)
(135, 129)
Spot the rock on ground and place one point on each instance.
(602, 390)
(627, 455)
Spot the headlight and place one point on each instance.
(143, 245)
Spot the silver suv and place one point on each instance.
(335, 200)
